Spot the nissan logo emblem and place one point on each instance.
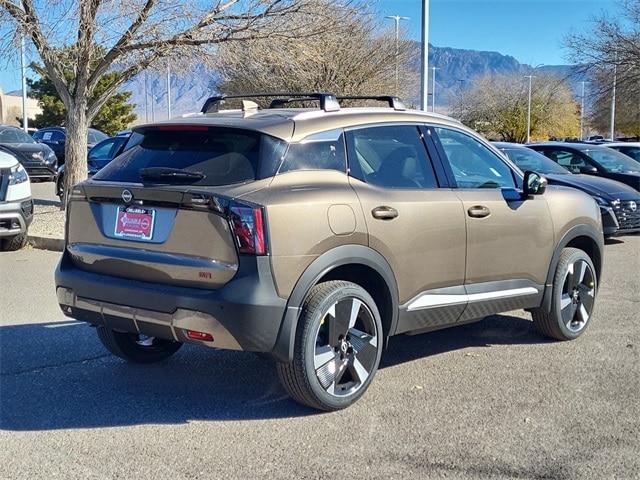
(633, 206)
(127, 196)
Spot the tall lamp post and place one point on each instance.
(397, 19)
(529, 102)
(433, 88)
(613, 99)
(582, 113)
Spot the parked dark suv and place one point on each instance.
(312, 235)
(56, 139)
(38, 160)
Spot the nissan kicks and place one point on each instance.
(311, 232)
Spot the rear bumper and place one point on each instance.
(245, 314)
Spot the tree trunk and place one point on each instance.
(75, 148)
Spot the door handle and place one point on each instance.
(478, 211)
(384, 213)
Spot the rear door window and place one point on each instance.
(390, 156)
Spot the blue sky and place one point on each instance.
(529, 30)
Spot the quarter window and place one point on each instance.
(323, 151)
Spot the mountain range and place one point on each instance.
(454, 67)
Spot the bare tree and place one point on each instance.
(612, 43)
(498, 105)
(135, 35)
(626, 103)
(357, 56)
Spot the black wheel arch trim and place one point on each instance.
(344, 255)
(575, 237)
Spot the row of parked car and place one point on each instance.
(43, 152)
(612, 178)
(39, 157)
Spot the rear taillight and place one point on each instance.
(248, 228)
(247, 221)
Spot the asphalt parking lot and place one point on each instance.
(487, 400)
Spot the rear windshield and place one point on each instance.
(222, 156)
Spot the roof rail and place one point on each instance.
(393, 102)
(328, 101)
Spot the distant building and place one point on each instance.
(11, 108)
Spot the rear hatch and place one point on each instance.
(165, 211)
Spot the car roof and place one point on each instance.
(293, 124)
(573, 145)
(621, 144)
(509, 145)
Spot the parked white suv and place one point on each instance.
(16, 204)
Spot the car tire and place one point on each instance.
(134, 348)
(11, 244)
(59, 185)
(573, 297)
(337, 348)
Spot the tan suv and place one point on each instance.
(314, 234)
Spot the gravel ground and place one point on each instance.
(48, 219)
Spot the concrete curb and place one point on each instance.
(46, 242)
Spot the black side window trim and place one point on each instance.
(443, 175)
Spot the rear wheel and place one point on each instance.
(573, 297)
(136, 348)
(337, 349)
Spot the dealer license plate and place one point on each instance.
(134, 222)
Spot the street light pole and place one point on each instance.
(25, 113)
(529, 103)
(168, 91)
(424, 57)
(529, 111)
(613, 99)
(433, 88)
(582, 113)
(397, 19)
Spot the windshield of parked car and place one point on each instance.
(633, 152)
(527, 159)
(15, 135)
(613, 161)
(204, 156)
(95, 136)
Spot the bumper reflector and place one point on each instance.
(206, 337)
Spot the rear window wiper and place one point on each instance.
(169, 175)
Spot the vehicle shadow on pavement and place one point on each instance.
(46, 203)
(59, 376)
(492, 330)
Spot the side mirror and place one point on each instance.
(534, 184)
(588, 169)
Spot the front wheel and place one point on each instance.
(136, 348)
(337, 348)
(11, 244)
(573, 297)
